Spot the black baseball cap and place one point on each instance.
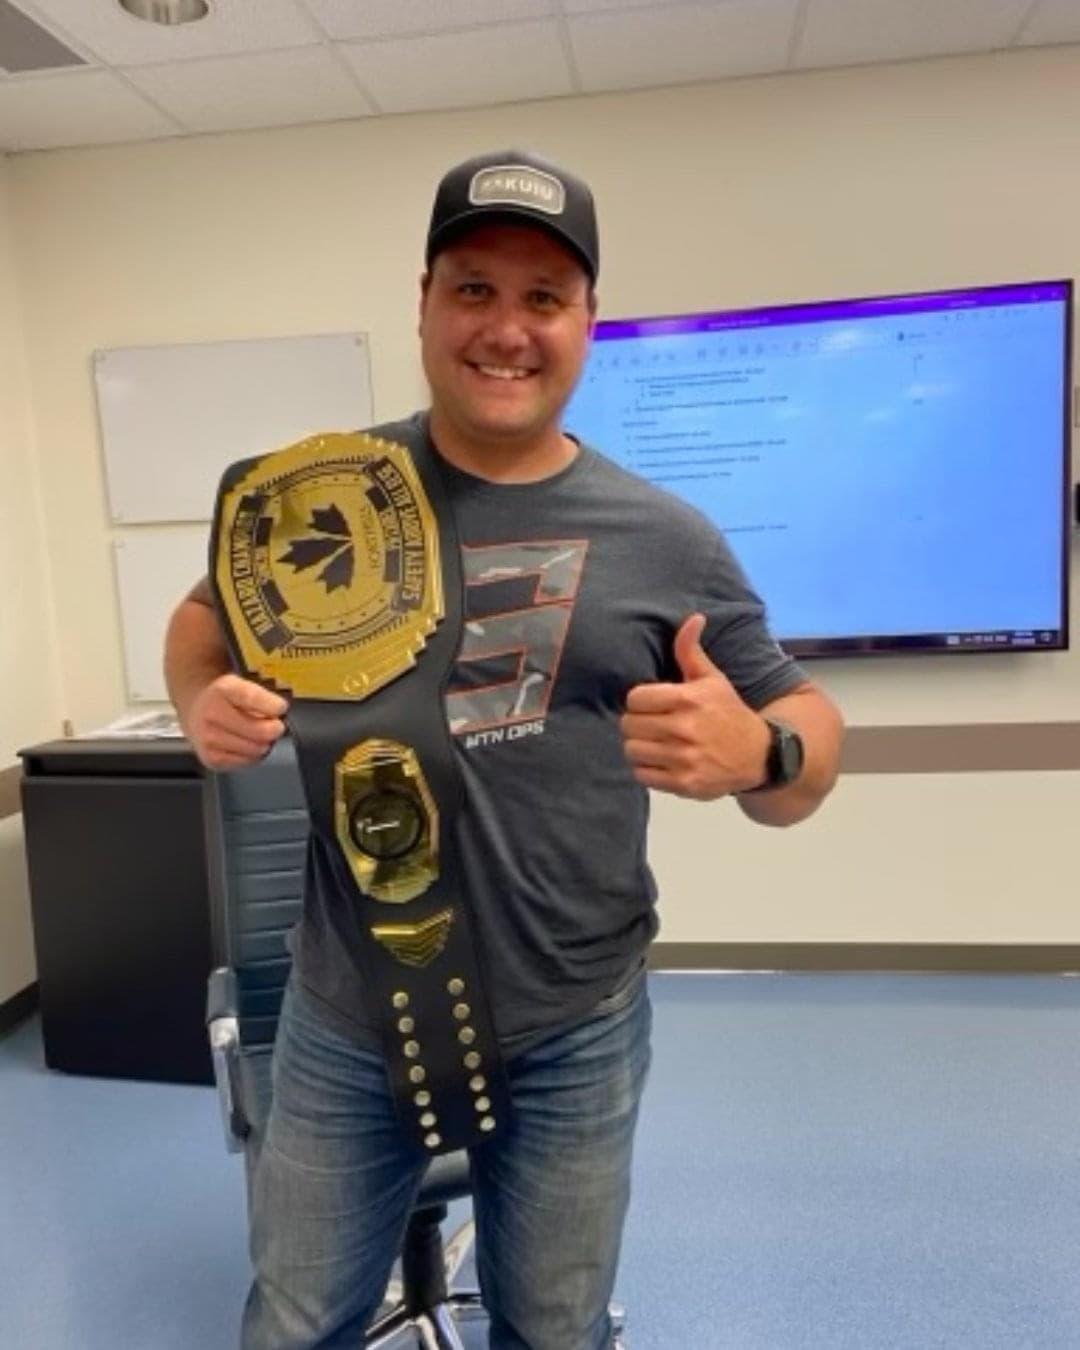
(516, 186)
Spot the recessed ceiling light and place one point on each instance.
(167, 11)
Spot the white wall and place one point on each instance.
(852, 182)
(29, 695)
(29, 691)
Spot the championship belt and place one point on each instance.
(337, 574)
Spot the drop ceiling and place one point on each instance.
(85, 72)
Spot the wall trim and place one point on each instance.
(988, 747)
(10, 797)
(911, 957)
(18, 1008)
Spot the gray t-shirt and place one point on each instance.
(574, 589)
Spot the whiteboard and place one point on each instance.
(173, 417)
(155, 568)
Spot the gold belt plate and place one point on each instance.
(327, 564)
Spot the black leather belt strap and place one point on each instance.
(438, 1036)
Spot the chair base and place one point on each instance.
(437, 1328)
(434, 1329)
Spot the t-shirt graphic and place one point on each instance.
(519, 599)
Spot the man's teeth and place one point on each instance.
(504, 372)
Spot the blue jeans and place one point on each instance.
(334, 1182)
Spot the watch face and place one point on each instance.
(785, 755)
(791, 756)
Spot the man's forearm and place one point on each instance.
(195, 653)
(818, 722)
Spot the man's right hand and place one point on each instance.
(233, 722)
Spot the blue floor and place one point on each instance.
(824, 1163)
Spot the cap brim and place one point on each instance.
(510, 215)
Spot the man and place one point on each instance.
(610, 645)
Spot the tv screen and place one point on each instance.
(892, 473)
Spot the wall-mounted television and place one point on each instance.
(893, 473)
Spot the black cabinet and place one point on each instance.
(118, 893)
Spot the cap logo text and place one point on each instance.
(518, 185)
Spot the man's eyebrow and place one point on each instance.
(546, 277)
(462, 269)
(561, 280)
(465, 268)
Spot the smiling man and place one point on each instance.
(608, 644)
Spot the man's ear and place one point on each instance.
(592, 303)
(425, 286)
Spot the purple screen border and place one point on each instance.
(1029, 293)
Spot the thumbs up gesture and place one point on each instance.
(696, 738)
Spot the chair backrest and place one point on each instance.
(257, 831)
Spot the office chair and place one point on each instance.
(256, 832)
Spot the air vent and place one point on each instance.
(25, 45)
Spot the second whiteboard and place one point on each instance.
(173, 417)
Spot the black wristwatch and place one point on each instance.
(784, 758)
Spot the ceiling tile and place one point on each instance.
(263, 89)
(593, 6)
(462, 70)
(397, 18)
(848, 32)
(681, 43)
(118, 38)
(92, 107)
(1053, 21)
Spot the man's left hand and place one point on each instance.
(697, 738)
